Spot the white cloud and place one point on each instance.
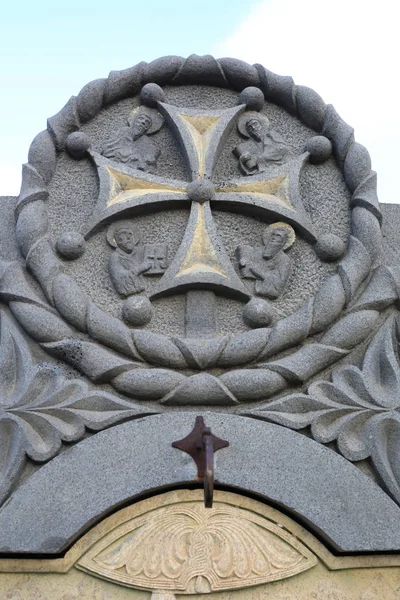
(10, 179)
(345, 50)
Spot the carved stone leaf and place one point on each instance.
(351, 441)
(60, 411)
(347, 389)
(295, 411)
(381, 367)
(40, 408)
(329, 426)
(15, 359)
(359, 408)
(12, 457)
(384, 437)
(14, 373)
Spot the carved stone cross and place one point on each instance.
(201, 262)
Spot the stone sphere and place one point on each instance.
(320, 149)
(77, 144)
(137, 311)
(257, 313)
(151, 94)
(330, 247)
(201, 190)
(252, 97)
(70, 245)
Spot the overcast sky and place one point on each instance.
(347, 50)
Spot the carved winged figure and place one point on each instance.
(132, 146)
(263, 147)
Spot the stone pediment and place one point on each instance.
(194, 234)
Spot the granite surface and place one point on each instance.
(198, 234)
(311, 483)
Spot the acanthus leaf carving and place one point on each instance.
(359, 407)
(40, 408)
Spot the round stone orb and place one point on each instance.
(151, 94)
(257, 313)
(201, 190)
(137, 311)
(330, 247)
(252, 97)
(77, 144)
(70, 245)
(320, 149)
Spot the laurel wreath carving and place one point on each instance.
(146, 365)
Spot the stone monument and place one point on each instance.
(199, 333)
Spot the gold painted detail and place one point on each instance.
(122, 183)
(200, 129)
(274, 190)
(201, 256)
(189, 549)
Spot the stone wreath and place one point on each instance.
(148, 366)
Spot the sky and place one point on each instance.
(346, 50)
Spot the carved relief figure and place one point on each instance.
(132, 144)
(126, 263)
(263, 147)
(268, 265)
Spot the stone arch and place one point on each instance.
(117, 466)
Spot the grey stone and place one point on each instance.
(151, 94)
(311, 107)
(90, 99)
(162, 70)
(360, 407)
(201, 353)
(42, 155)
(77, 144)
(199, 390)
(200, 317)
(320, 149)
(238, 73)
(33, 187)
(71, 245)
(201, 190)
(122, 84)
(71, 315)
(220, 277)
(252, 97)
(390, 229)
(8, 246)
(200, 69)
(330, 247)
(277, 88)
(310, 482)
(357, 165)
(137, 311)
(63, 123)
(337, 130)
(257, 313)
(366, 196)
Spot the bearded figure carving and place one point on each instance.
(132, 145)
